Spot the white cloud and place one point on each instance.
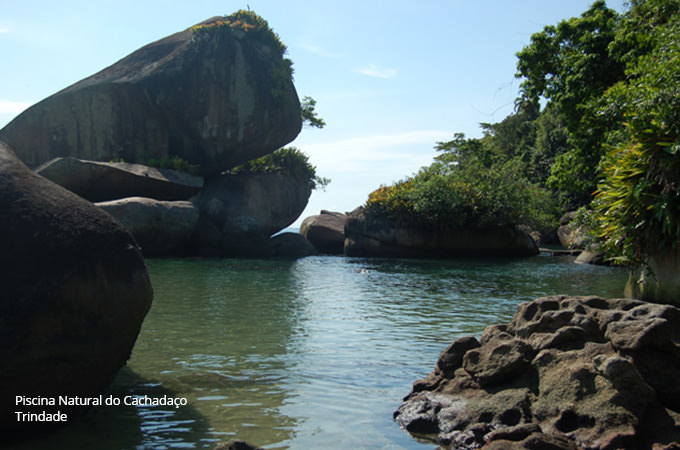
(376, 71)
(320, 51)
(4, 30)
(12, 107)
(402, 152)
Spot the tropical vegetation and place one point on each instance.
(596, 125)
(288, 161)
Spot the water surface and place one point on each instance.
(307, 354)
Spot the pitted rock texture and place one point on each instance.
(565, 373)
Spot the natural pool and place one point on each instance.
(306, 354)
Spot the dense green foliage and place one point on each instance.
(598, 113)
(571, 65)
(286, 161)
(467, 186)
(639, 199)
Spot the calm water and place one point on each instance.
(307, 354)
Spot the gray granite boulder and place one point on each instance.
(161, 228)
(240, 212)
(75, 291)
(103, 181)
(216, 95)
(326, 231)
(291, 245)
(369, 236)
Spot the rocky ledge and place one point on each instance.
(565, 373)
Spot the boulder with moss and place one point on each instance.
(565, 373)
(214, 95)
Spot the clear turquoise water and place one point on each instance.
(307, 354)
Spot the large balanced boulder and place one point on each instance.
(374, 236)
(75, 291)
(215, 95)
(326, 231)
(239, 212)
(565, 373)
(161, 228)
(104, 181)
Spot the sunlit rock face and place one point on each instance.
(565, 373)
(214, 95)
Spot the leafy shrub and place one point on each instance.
(464, 195)
(288, 161)
(174, 163)
(258, 30)
(638, 202)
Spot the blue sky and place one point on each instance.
(391, 78)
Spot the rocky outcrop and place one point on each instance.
(75, 291)
(161, 228)
(216, 95)
(102, 181)
(658, 280)
(326, 231)
(240, 212)
(568, 372)
(379, 237)
(291, 245)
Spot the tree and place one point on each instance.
(309, 116)
(638, 202)
(570, 66)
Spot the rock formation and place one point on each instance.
(240, 212)
(211, 97)
(161, 228)
(103, 181)
(658, 280)
(326, 231)
(291, 245)
(216, 95)
(570, 235)
(375, 236)
(566, 372)
(75, 291)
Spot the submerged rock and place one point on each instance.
(75, 291)
(379, 237)
(216, 95)
(579, 372)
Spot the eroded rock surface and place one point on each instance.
(566, 372)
